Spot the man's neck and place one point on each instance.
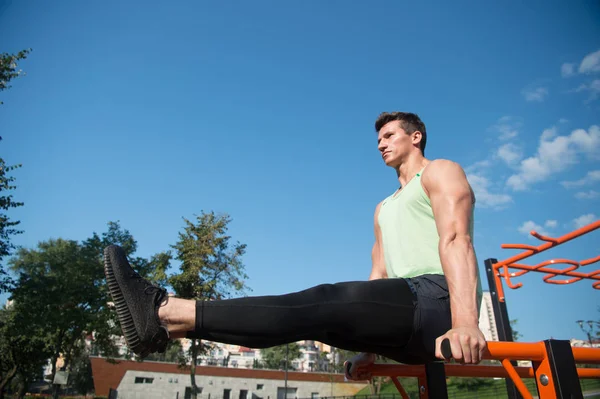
(410, 168)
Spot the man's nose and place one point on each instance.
(381, 146)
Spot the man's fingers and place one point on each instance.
(465, 345)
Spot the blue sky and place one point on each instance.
(147, 112)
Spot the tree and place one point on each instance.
(8, 68)
(23, 349)
(8, 227)
(275, 357)
(211, 268)
(61, 288)
(173, 353)
(515, 334)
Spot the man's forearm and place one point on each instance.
(460, 267)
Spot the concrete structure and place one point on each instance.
(150, 380)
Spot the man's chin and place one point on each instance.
(390, 163)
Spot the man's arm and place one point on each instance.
(452, 203)
(378, 270)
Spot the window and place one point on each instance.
(314, 395)
(143, 380)
(226, 393)
(259, 387)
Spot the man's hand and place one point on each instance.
(356, 368)
(468, 344)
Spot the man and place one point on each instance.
(423, 287)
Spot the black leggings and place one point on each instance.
(377, 316)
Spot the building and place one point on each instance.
(487, 321)
(133, 379)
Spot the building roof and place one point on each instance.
(108, 375)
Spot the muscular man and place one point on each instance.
(424, 284)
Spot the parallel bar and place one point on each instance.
(586, 355)
(516, 351)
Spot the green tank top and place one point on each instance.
(409, 234)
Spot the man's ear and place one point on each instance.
(416, 137)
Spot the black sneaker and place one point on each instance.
(137, 302)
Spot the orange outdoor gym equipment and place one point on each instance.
(554, 362)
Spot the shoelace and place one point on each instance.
(149, 288)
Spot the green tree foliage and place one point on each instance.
(8, 227)
(275, 357)
(515, 334)
(61, 290)
(23, 349)
(210, 268)
(173, 354)
(9, 68)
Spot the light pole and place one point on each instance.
(587, 330)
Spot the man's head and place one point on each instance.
(400, 133)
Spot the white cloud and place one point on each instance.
(484, 198)
(584, 220)
(590, 63)
(547, 134)
(477, 166)
(530, 225)
(591, 177)
(593, 88)
(567, 69)
(537, 94)
(506, 127)
(510, 153)
(551, 223)
(555, 154)
(585, 195)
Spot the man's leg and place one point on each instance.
(370, 316)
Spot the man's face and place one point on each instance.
(394, 144)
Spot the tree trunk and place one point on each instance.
(20, 394)
(7, 379)
(194, 350)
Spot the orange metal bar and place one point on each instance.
(505, 352)
(516, 379)
(586, 355)
(529, 250)
(400, 388)
(544, 379)
(551, 242)
(515, 350)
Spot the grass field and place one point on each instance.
(495, 390)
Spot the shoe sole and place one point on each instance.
(125, 318)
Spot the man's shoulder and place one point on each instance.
(441, 173)
(442, 164)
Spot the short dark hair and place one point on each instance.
(408, 121)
